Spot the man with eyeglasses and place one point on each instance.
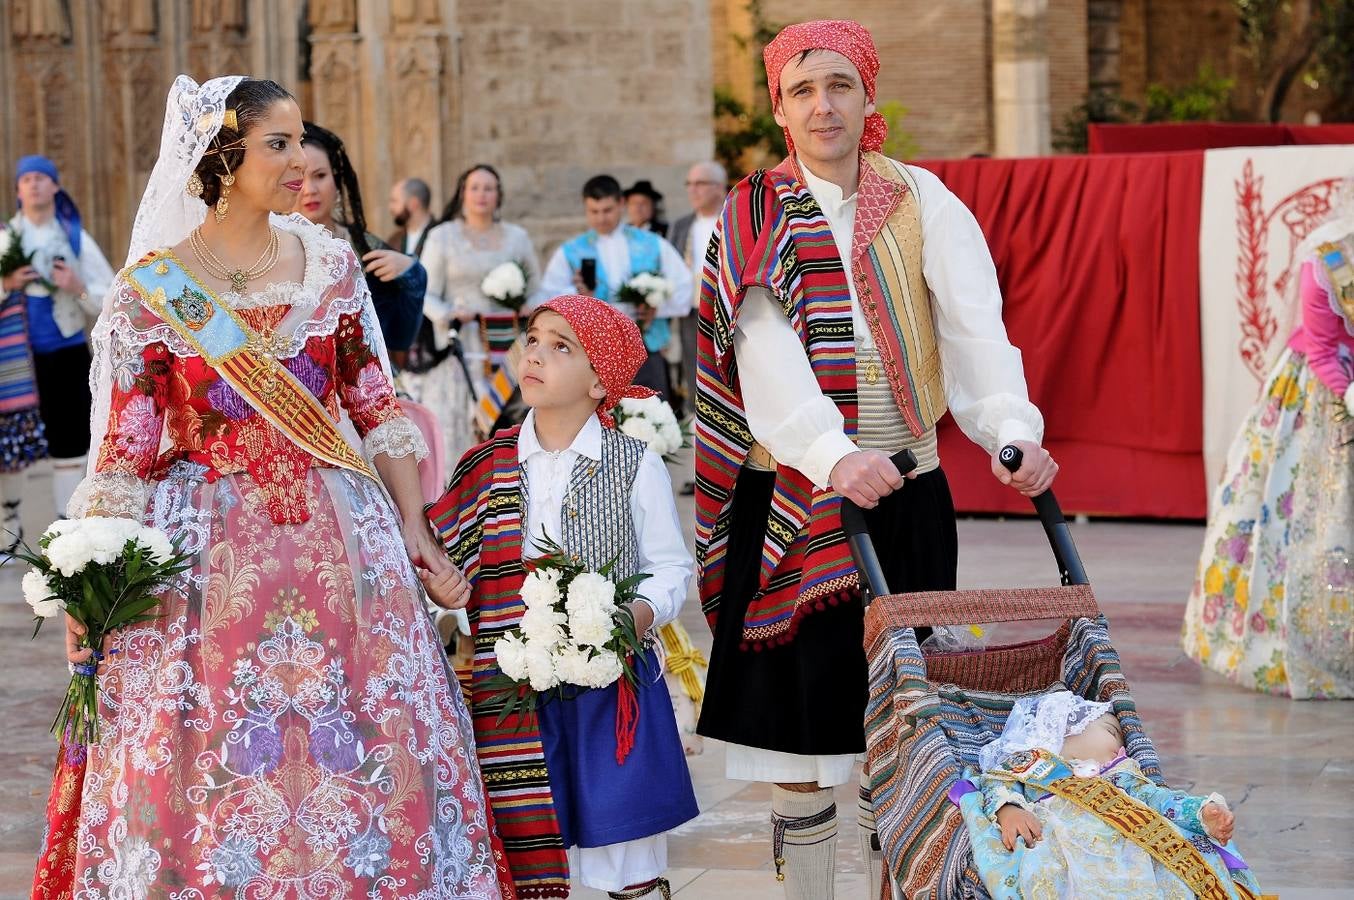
(707, 184)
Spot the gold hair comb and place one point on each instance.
(230, 121)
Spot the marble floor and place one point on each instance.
(1286, 768)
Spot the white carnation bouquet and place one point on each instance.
(506, 285)
(652, 421)
(577, 633)
(106, 574)
(646, 288)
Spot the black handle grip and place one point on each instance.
(1055, 526)
(872, 581)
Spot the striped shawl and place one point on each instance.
(772, 234)
(479, 519)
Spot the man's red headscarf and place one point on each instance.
(613, 343)
(843, 36)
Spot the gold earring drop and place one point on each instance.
(223, 203)
(195, 185)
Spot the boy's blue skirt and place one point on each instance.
(598, 802)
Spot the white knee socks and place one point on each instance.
(804, 841)
(866, 831)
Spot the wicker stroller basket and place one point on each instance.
(929, 713)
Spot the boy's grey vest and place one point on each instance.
(596, 525)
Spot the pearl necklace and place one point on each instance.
(239, 277)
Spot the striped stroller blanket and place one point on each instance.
(929, 714)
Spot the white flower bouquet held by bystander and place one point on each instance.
(506, 285)
(105, 573)
(646, 288)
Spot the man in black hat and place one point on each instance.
(644, 207)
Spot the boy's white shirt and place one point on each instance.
(663, 554)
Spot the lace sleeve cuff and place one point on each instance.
(395, 438)
(110, 495)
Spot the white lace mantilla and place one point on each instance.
(396, 439)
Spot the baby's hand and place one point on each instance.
(1218, 821)
(448, 589)
(1016, 822)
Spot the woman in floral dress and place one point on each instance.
(287, 728)
(1273, 601)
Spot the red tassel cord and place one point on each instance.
(627, 718)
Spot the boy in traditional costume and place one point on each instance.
(849, 300)
(1056, 808)
(558, 778)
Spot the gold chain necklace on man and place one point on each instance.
(238, 278)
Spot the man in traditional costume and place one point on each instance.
(819, 358)
(64, 287)
(619, 252)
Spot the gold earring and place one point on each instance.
(223, 203)
(195, 185)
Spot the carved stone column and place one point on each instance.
(1020, 77)
(49, 112)
(135, 71)
(336, 70)
(415, 52)
(218, 40)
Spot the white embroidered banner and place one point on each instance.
(1258, 205)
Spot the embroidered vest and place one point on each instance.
(597, 526)
(886, 264)
(645, 256)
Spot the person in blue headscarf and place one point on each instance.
(62, 290)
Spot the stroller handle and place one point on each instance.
(872, 581)
(1055, 526)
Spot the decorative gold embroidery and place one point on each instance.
(192, 308)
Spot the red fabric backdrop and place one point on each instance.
(1098, 259)
(1164, 137)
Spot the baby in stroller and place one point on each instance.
(1056, 808)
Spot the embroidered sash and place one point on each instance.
(1335, 260)
(1132, 818)
(227, 344)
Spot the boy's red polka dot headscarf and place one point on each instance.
(843, 36)
(613, 343)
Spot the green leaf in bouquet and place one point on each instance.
(88, 612)
(629, 587)
(133, 611)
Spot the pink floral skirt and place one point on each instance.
(288, 728)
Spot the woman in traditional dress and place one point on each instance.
(330, 196)
(287, 728)
(1273, 600)
(470, 242)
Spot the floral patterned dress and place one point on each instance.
(288, 728)
(1273, 601)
